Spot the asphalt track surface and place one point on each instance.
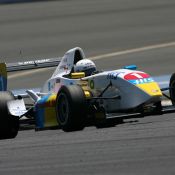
(48, 29)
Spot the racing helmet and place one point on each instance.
(85, 65)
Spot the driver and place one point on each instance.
(85, 65)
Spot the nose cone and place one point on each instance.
(144, 82)
(151, 88)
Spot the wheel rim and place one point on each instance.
(63, 109)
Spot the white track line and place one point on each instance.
(130, 51)
(112, 54)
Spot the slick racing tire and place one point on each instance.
(9, 125)
(172, 88)
(71, 108)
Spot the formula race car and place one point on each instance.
(74, 97)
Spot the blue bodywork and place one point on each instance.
(130, 67)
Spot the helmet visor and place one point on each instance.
(89, 71)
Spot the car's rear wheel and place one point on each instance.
(9, 125)
(71, 108)
(172, 88)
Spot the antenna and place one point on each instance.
(20, 53)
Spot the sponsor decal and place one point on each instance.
(137, 78)
(141, 81)
(114, 75)
(64, 67)
(154, 91)
(34, 62)
(136, 75)
(133, 77)
(91, 84)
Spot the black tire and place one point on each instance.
(71, 108)
(172, 88)
(9, 125)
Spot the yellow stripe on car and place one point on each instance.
(50, 112)
(151, 88)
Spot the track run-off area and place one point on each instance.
(113, 33)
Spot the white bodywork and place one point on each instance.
(16, 107)
(131, 95)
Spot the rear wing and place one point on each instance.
(26, 65)
(35, 64)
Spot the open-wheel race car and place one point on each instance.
(73, 97)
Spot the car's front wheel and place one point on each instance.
(172, 88)
(71, 108)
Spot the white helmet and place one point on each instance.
(85, 65)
